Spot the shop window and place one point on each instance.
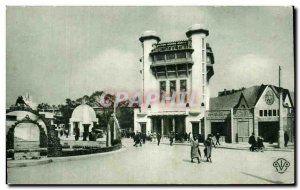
(261, 113)
(265, 113)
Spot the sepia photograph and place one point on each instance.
(150, 95)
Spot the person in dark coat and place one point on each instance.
(252, 141)
(208, 143)
(286, 138)
(171, 138)
(218, 138)
(77, 132)
(144, 137)
(260, 144)
(158, 138)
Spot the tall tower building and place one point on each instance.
(175, 83)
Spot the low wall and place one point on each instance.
(89, 150)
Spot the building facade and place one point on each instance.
(175, 83)
(236, 114)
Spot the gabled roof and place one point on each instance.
(251, 94)
(224, 102)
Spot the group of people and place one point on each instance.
(138, 138)
(195, 150)
(258, 145)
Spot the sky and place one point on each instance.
(54, 53)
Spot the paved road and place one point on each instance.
(160, 165)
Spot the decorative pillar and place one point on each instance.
(162, 126)
(173, 123)
(108, 136)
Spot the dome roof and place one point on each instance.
(84, 113)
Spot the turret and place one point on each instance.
(197, 34)
(148, 39)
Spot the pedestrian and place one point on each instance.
(218, 139)
(286, 138)
(208, 143)
(77, 132)
(185, 136)
(144, 137)
(260, 144)
(195, 151)
(252, 141)
(171, 138)
(158, 138)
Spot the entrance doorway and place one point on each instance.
(143, 128)
(195, 129)
(268, 130)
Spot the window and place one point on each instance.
(160, 57)
(265, 113)
(162, 89)
(170, 56)
(183, 90)
(173, 88)
(181, 55)
(269, 112)
(260, 113)
(274, 113)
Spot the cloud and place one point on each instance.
(245, 71)
(110, 69)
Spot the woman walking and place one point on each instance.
(195, 152)
(208, 143)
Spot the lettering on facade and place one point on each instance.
(218, 114)
(242, 113)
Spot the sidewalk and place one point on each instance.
(235, 146)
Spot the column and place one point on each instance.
(232, 125)
(162, 126)
(173, 124)
(108, 136)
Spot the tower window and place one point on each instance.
(274, 113)
(173, 88)
(170, 56)
(183, 90)
(162, 89)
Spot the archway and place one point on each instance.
(49, 141)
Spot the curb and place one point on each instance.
(10, 164)
(232, 148)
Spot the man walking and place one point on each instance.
(218, 138)
(171, 138)
(252, 141)
(158, 138)
(286, 139)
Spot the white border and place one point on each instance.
(5, 3)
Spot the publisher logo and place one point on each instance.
(281, 165)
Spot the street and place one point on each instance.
(164, 164)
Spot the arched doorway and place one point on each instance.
(48, 136)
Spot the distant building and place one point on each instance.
(179, 73)
(255, 109)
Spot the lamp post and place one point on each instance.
(280, 132)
